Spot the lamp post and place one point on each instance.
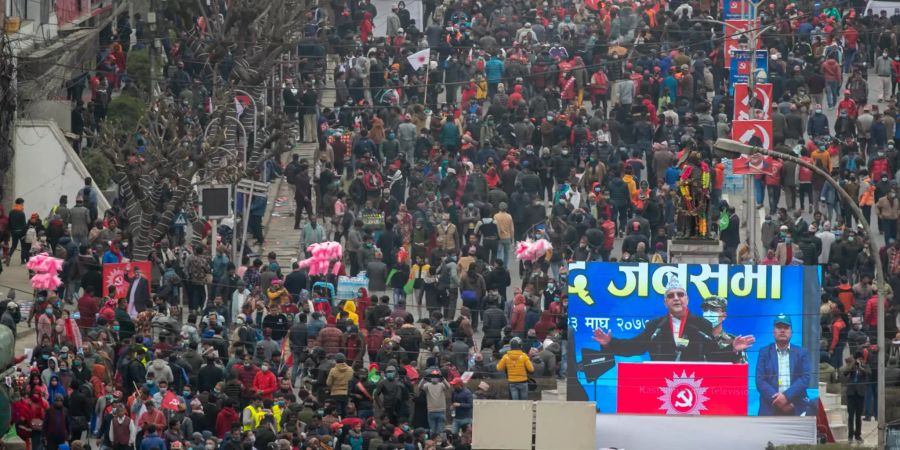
(729, 145)
(753, 34)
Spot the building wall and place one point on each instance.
(45, 167)
(59, 111)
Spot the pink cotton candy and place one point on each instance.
(36, 262)
(52, 265)
(322, 255)
(532, 250)
(46, 269)
(45, 282)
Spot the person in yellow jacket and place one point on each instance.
(350, 312)
(517, 366)
(253, 414)
(276, 292)
(419, 271)
(481, 87)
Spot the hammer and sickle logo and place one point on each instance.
(685, 398)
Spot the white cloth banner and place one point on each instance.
(383, 7)
(692, 432)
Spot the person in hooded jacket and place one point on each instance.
(338, 382)
(517, 366)
(160, 370)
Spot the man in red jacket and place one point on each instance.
(851, 37)
(831, 70)
(773, 182)
(265, 383)
(870, 316)
(849, 105)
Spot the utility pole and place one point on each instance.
(151, 49)
(729, 145)
(753, 34)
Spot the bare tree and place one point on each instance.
(241, 50)
(157, 183)
(183, 148)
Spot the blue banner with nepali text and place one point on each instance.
(694, 339)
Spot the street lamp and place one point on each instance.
(729, 145)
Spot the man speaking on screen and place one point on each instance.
(677, 336)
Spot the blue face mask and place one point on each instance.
(712, 317)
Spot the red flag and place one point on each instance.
(170, 401)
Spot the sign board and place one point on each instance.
(732, 184)
(735, 30)
(762, 102)
(347, 287)
(632, 357)
(753, 132)
(737, 10)
(751, 165)
(740, 66)
(215, 201)
(250, 187)
(118, 274)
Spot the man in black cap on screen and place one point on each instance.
(715, 310)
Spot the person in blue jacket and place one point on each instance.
(493, 69)
(783, 374)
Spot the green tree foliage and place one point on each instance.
(125, 112)
(98, 165)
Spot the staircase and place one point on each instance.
(281, 237)
(836, 412)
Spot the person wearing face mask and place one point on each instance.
(715, 310)
(817, 124)
(392, 395)
(888, 210)
(46, 323)
(787, 251)
(676, 336)
(437, 393)
(264, 382)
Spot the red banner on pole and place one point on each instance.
(753, 132)
(115, 275)
(762, 104)
(734, 31)
(707, 389)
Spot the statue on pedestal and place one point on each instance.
(693, 197)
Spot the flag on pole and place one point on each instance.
(239, 107)
(419, 58)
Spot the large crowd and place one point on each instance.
(564, 121)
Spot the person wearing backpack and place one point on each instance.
(291, 170)
(89, 194)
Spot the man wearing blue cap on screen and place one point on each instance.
(783, 374)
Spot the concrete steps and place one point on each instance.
(281, 237)
(836, 412)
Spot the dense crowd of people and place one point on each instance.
(551, 120)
